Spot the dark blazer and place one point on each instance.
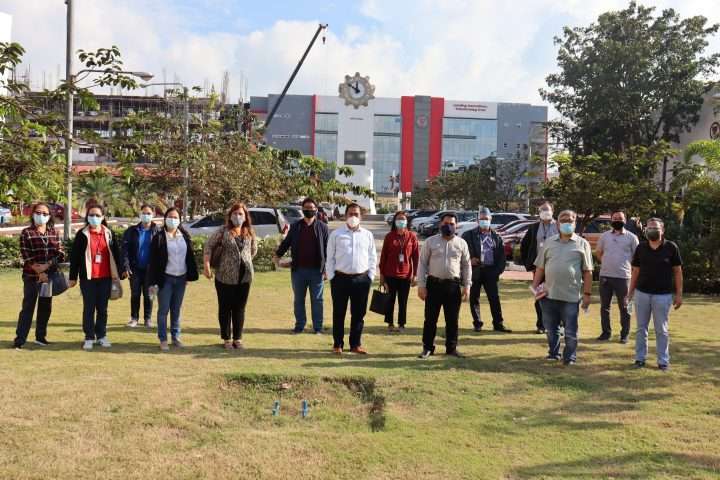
(159, 259)
(528, 247)
(292, 242)
(79, 255)
(474, 242)
(131, 245)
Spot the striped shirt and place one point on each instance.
(36, 247)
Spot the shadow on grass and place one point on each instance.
(638, 465)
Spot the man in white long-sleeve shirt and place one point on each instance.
(350, 266)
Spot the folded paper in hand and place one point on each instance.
(538, 292)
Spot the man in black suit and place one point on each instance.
(487, 257)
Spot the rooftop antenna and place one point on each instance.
(321, 27)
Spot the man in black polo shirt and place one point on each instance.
(307, 241)
(656, 265)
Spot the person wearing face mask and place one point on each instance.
(444, 278)
(565, 266)
(97, 260)
(229, 252)
(656, 272)
(136, 258)
(615, 249)
(41, 251)
(351, 264)
(307, 241)
(398, 268)
(487, 257)
(531, 245)
(172, 265)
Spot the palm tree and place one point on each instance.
(99, 185)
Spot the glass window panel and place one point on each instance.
(468, 140)
(326, 122)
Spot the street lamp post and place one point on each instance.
(71, 78)
(186, 170)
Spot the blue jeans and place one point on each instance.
(170, 298)
(302, 279)
(554, 312)
(659, 307)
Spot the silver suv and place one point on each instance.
(267, 222)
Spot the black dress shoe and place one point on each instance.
(455, 353)
(477, 329)
(604, 337)
(502, 329)
(639, 364)
(425, 354)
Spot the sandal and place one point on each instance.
(227, 345)
(237, 344)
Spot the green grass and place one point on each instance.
(132, 412)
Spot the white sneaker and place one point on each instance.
(133, 323)
(104, 342)
(88, 345)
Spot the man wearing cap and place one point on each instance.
(487, 257)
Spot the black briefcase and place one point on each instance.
(380, 301)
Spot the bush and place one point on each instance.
(10, 252)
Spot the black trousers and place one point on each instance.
(445, 295)
(96, 295)
(400, 288)
(617, 287)
(538, 312)
(31, 297)
(485, 278)
(139, 287)
(353, 289)
(232, 300)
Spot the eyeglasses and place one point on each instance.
(95, 215)
(43, 214)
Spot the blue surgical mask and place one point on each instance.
(172, 223)
(484, 224)
(401, 223)
(146, 218)
(40, 219)
(95, 221)
(567, 228)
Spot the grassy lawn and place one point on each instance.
(133, 413)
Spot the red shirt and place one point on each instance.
(98, 245)
(395, 244)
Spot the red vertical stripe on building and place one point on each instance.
(407, 111)
(437, 112)
(313, 108)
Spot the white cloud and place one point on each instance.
(467, 49)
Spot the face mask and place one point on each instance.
(653, 234)
(353, 222)
(617, 225)
(95, 221)
(146, 217)
(484, 224)
(401, 223)
(447, 229)
(309, 213)
(40, 219)
(567, 228)
(172, 223)
(238, 220)
(545, 215)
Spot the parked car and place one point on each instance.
(322, 214)
(431, 228)
(418, 214)
(267, 222)
(594, 229)
(513, 235)
(417, 222)
(5, 215)
(292, 213)
(56, 209)
(500, 219)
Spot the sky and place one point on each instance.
(484, 50)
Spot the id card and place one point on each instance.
(98, 258)
(401, 258)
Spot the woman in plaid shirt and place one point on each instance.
(41, 251)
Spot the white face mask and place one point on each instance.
(546, 215)
(237, 220)
(353, 222)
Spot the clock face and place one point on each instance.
(356, 90)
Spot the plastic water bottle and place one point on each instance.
(305, 409)
(276, 408)
(152, 292)
(630, 306)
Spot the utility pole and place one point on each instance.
(70, 79)
(321, 27)
(186, 198)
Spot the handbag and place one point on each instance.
(116, 291)
(380, 301)
(59, 283)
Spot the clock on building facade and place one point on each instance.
(356, 90)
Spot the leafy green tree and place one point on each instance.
(101, 186)
(631, 78)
